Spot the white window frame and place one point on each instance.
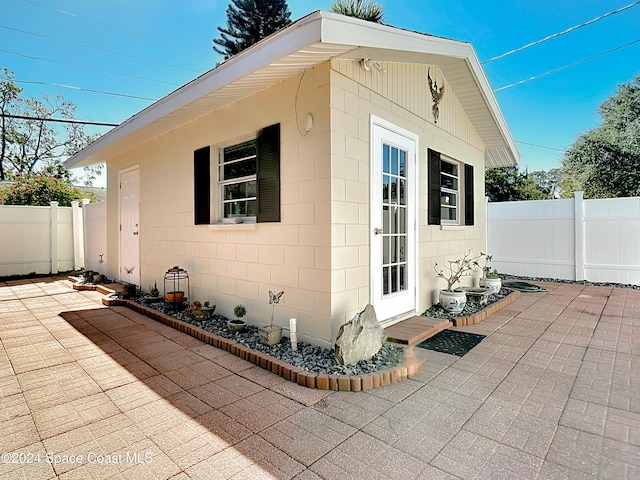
(222, 183)
(447, 192)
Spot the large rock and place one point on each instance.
(359, 339)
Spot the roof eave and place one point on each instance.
(309, 41)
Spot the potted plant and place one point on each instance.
(452, 299)
(271, 334)
(238, 324)
(490, 278)
(154, 293)
(208, 309)
(196, 309)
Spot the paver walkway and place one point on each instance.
(93, 392)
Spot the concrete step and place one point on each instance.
(415, 329)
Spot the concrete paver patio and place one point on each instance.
(87, 391)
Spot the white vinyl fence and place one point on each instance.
(573, 239)
(95, 236)
(40, 239)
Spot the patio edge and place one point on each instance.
(319, 381)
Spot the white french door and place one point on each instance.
(129, 198)
(393, 220)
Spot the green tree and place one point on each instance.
(548, 182)
(40, 190)
(363, 9)
(508, 184)
(28, 140)
(248, 22)
(605, 161)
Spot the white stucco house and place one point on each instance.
(353, 152)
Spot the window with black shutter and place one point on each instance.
(248, 179)
(448, 182)
(202, 186)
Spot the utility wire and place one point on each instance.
(133, 34)
(541, 146)
(555, 35)
(103, 124)
(30, 57)
(535, 77)
(72, 87)
(100, 49)
(59, 120)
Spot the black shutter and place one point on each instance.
(269, 174)
(201, 186)
(468, 195)
(433, 174)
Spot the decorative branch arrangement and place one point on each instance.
(456, 269)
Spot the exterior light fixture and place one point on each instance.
(367, 64)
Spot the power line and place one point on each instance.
(535, 77)
(118, 29)
(59, 120)
(555, 35)
(30, 57)
(99, 49)
(81, 89)
(541, 146)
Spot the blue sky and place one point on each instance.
(144, 49)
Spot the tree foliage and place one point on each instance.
(33, 143)
(40, 190)
(248, 22)
(508, 184)
(363, 9)
(605, 161)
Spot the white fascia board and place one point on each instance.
(360, 33)
(389, 38)
(301, 34)
(494, 106)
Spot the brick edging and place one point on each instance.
(320, 381)
(490, 310)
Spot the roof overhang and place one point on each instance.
(310, 41)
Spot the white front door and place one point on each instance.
(130, 226)
(393, 220)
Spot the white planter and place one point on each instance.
(453, 302)
(493, 284)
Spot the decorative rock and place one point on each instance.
(360, 339)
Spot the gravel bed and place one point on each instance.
(308, 357)
(321, 360)
(471, 308)
(575, 282)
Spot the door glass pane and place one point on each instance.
(385, 159)
(386, 195)
(385, 280)
(394, 249)
(394, 220)
(394, 161)
(394, 278)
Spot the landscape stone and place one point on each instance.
(359, 339)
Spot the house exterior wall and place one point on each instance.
(239, 264)
(400, 97)
(319, 252)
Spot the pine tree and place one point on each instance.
(248, 22)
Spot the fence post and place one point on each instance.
(54, 236)
(76, 233)
(579, 233)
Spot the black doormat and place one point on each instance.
(523, 287)
(452, 342)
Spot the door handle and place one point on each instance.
(135, 233)
(377, 231)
